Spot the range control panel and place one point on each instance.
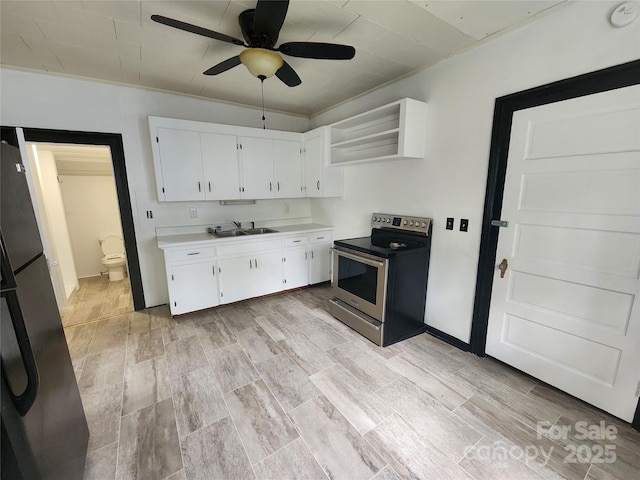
(401, 222)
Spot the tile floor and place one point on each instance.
(97, 298)
(275, 388)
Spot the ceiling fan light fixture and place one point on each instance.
(261, 62)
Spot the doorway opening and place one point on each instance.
(81, 222)
(55, 139)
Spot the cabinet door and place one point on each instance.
(257, 167)
(320, 263)
(287, 168)
(193, 287)
(295, 267)
(267, 273)
(181, 163)
(313, 165)
(236, 279)
(220, 165)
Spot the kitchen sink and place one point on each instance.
(259, 231)
(240, 232)
(229, 233)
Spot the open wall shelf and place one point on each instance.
(391, 132)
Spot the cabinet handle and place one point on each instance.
(297, 241)
(318, 185)
(278, 186)
(194, 253)
(270, 186)
(213, 270)
(242, 189)
(209, 187)
(311, 254)
(199, 188)
(305, 255)
(256, 260)
(319, 238)
(250, 265)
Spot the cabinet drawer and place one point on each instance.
(249, 247)
(295, 241)
(192, 254)
(320, 237)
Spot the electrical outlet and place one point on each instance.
(193, 212)
(449, 223)
(464, 224)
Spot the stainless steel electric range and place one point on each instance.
(379, 282)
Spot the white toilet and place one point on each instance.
(114, 257)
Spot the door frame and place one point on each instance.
(611, 78)
(114, 142)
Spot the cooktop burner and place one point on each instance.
(384, 248)
(391, 236)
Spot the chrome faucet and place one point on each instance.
(237, 224)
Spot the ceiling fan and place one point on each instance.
(260, 28)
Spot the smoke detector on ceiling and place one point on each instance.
(624, 14)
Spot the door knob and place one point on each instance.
(502, 266)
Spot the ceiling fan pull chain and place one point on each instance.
(264, 125)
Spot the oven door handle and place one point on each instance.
(360, 258)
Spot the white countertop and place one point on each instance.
(194, 239)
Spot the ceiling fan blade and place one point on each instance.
(205, 32)
(224, 66)
(323, 51)
(269, 17)
(288, 75)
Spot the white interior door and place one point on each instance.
(567, 310)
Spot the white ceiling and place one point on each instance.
(116, 41)
(72, 159)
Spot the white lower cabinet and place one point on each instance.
(193, 286)
(295, 268)
(250, 276)
(319, 262)
(218, 273)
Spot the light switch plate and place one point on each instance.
(193, 212)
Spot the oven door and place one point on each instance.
(360, 280)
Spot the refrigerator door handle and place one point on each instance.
(24, 401)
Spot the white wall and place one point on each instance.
(450, 181)
(91, 206)
(48, 101)
(56, 220)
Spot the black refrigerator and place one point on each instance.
(44, 429)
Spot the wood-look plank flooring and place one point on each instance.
(96, 299)
(276, 388)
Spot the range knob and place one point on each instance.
(411, 223)
(388, 220)
(374, 219)
(404, 223)
(423, 224)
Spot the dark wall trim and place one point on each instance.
(114, 142)
(611, 78)
(450, 339)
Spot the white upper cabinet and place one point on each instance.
(220, 166)
(320, 180)
(256, 159)
(179, 173)
(197, 161)
(391, 132)
(287, 168)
